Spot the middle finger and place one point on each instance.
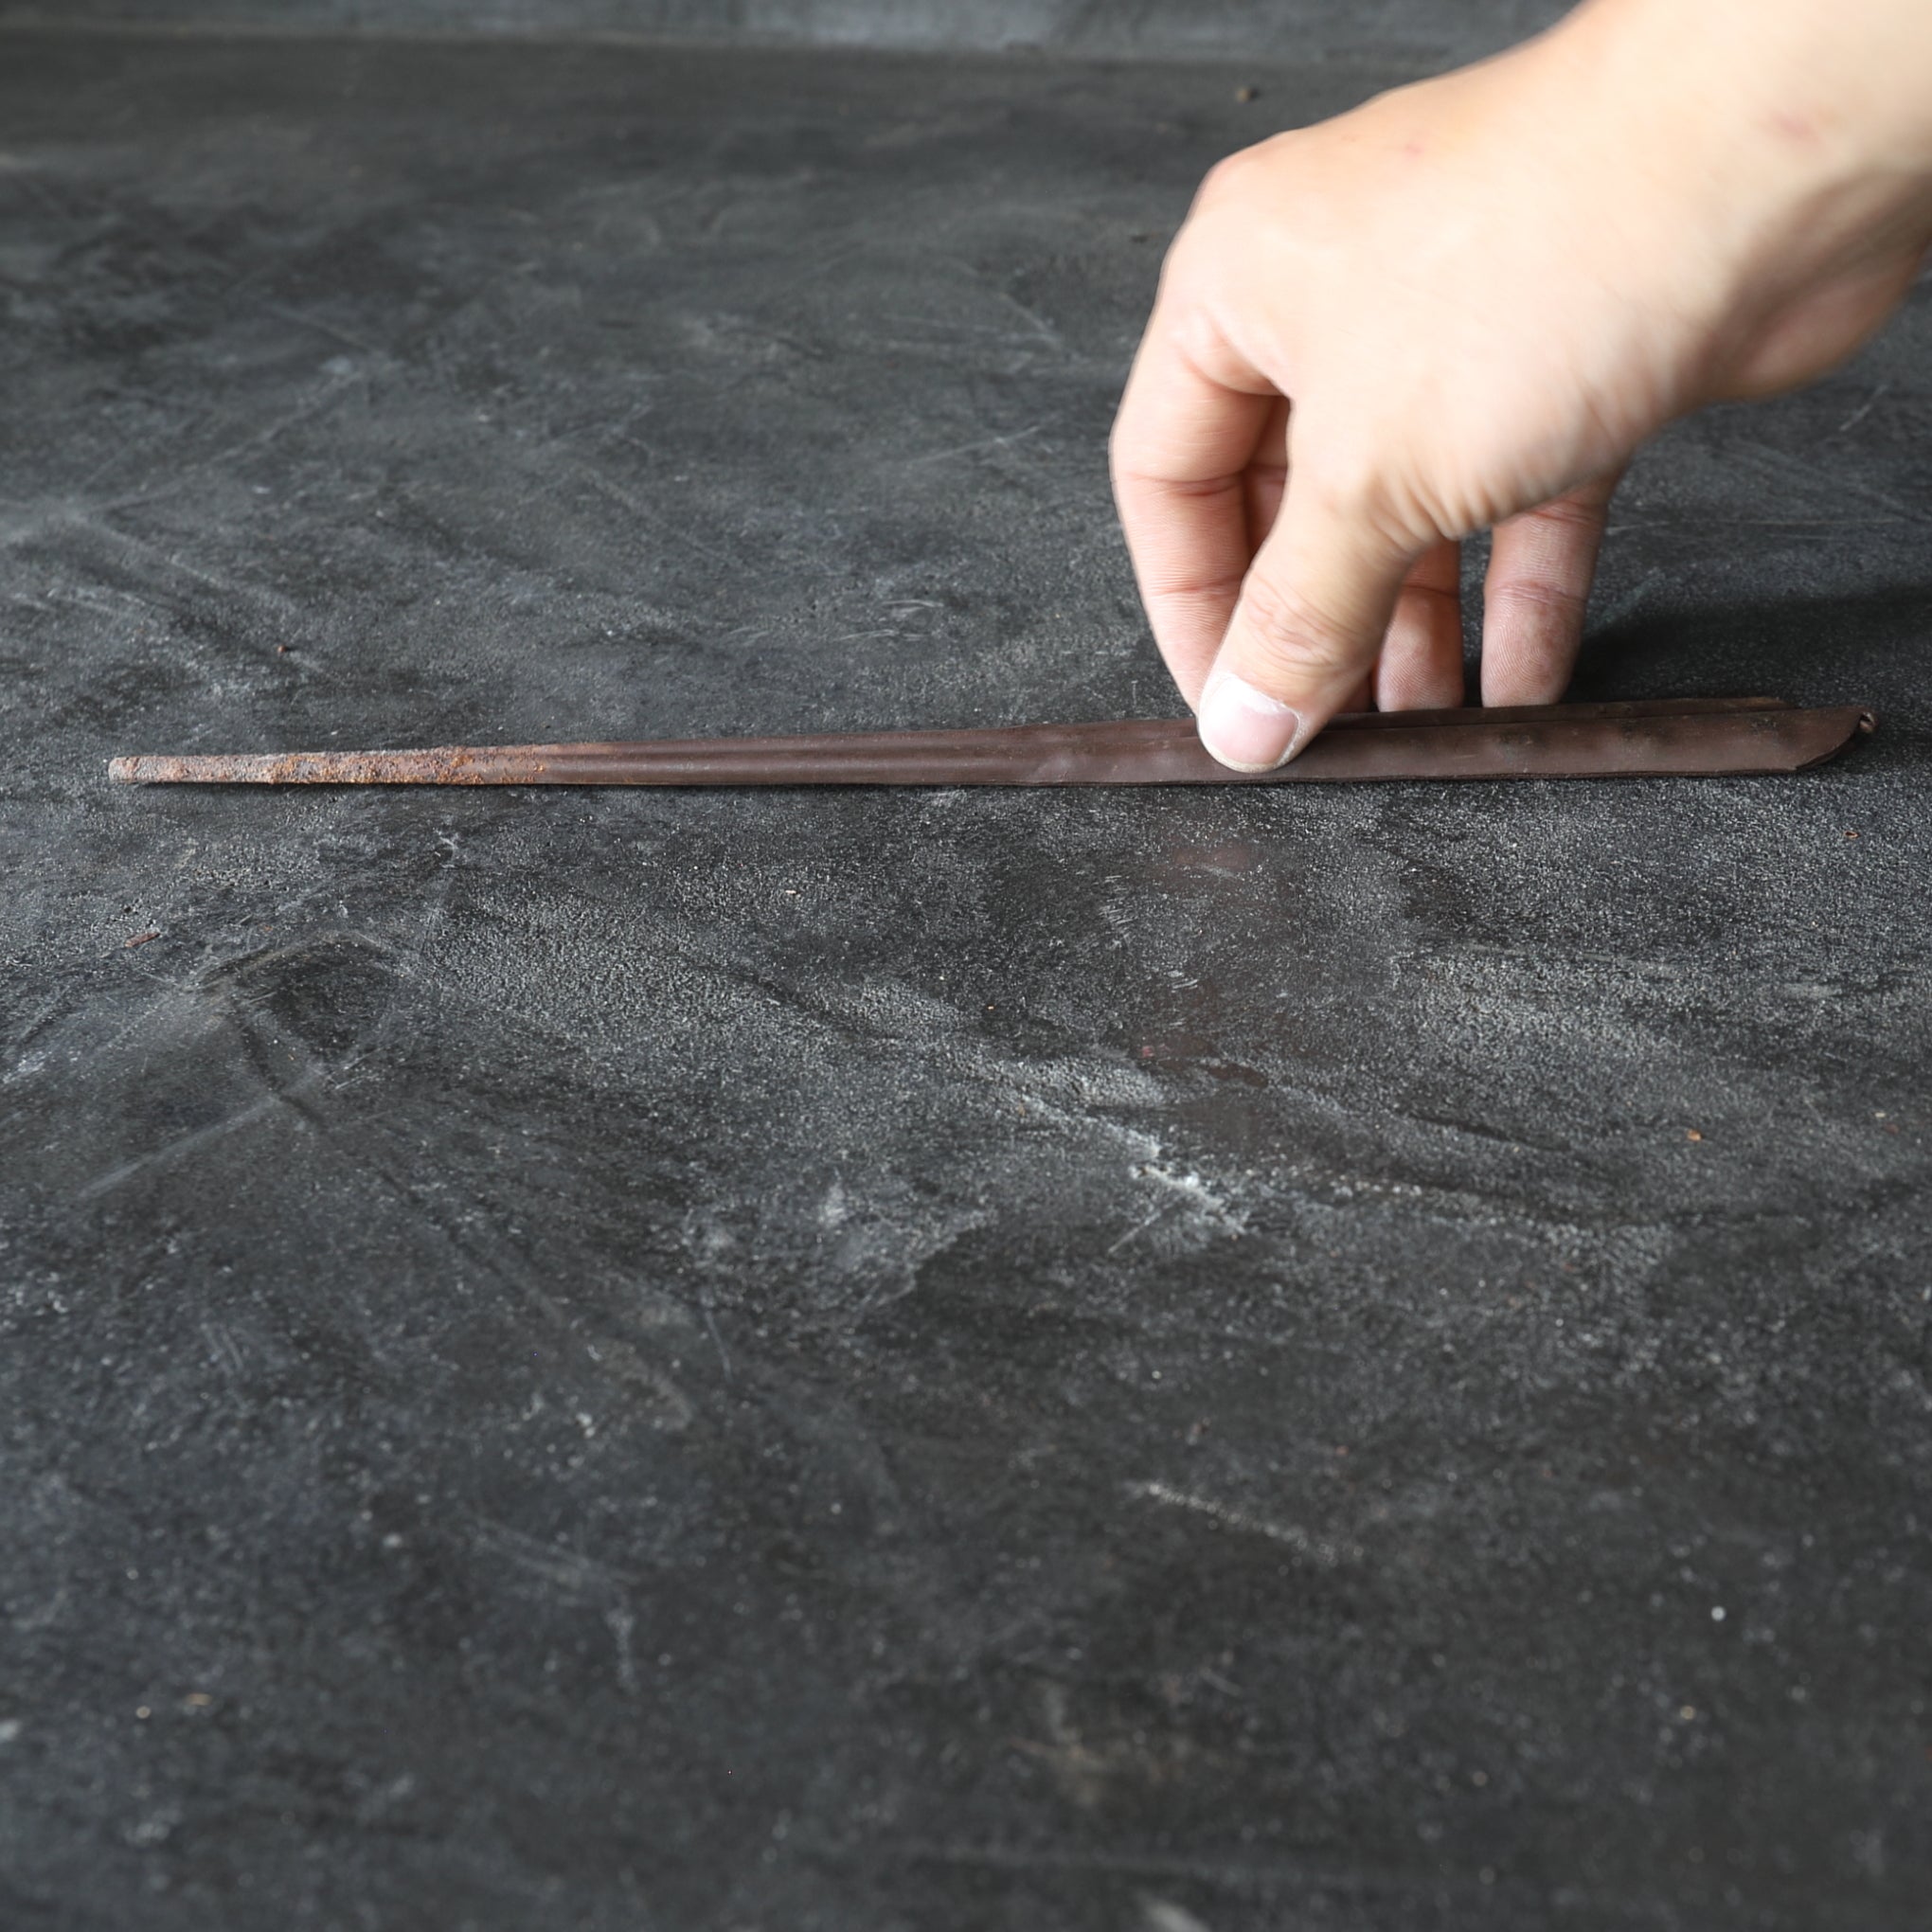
(1420, 666)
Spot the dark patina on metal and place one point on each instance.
(1663, 738)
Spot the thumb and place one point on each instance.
(1310, 624)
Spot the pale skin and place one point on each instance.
(1466, 306)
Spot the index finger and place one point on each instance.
(1182, 444)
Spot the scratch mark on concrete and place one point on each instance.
(621, 1623)
(970, 449)
(1163, 1915)
(568, 1569)
(187, 1143)
(1140, 1228)
(1036, 321)
(1317, 1550)
(1235, 1873)
(1863, 410)
(717, 1340)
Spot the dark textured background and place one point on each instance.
(763, 1363)
(1167, 29)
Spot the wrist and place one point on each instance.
(1778, 141)
(1820, 93)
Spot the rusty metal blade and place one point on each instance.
(1647, 739)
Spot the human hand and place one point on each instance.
(1464, 306)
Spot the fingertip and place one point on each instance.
(1245, 728)
(1312, 615)
(1543, 680)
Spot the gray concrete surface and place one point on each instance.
(1158, 30)
(1338, 1359)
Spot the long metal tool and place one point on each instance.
(1665, 737)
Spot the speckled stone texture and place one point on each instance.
(891, 1362)
(1163, 29)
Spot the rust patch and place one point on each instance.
(443, 764)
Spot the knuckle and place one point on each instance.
(1352, 489)
(1210, 591)
(1194, 333)
(1569, 513)
(1432, 595)
(1286, 634)
(1556, 604)
(1380, 500)
(1262, 169)
(1224, 181)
